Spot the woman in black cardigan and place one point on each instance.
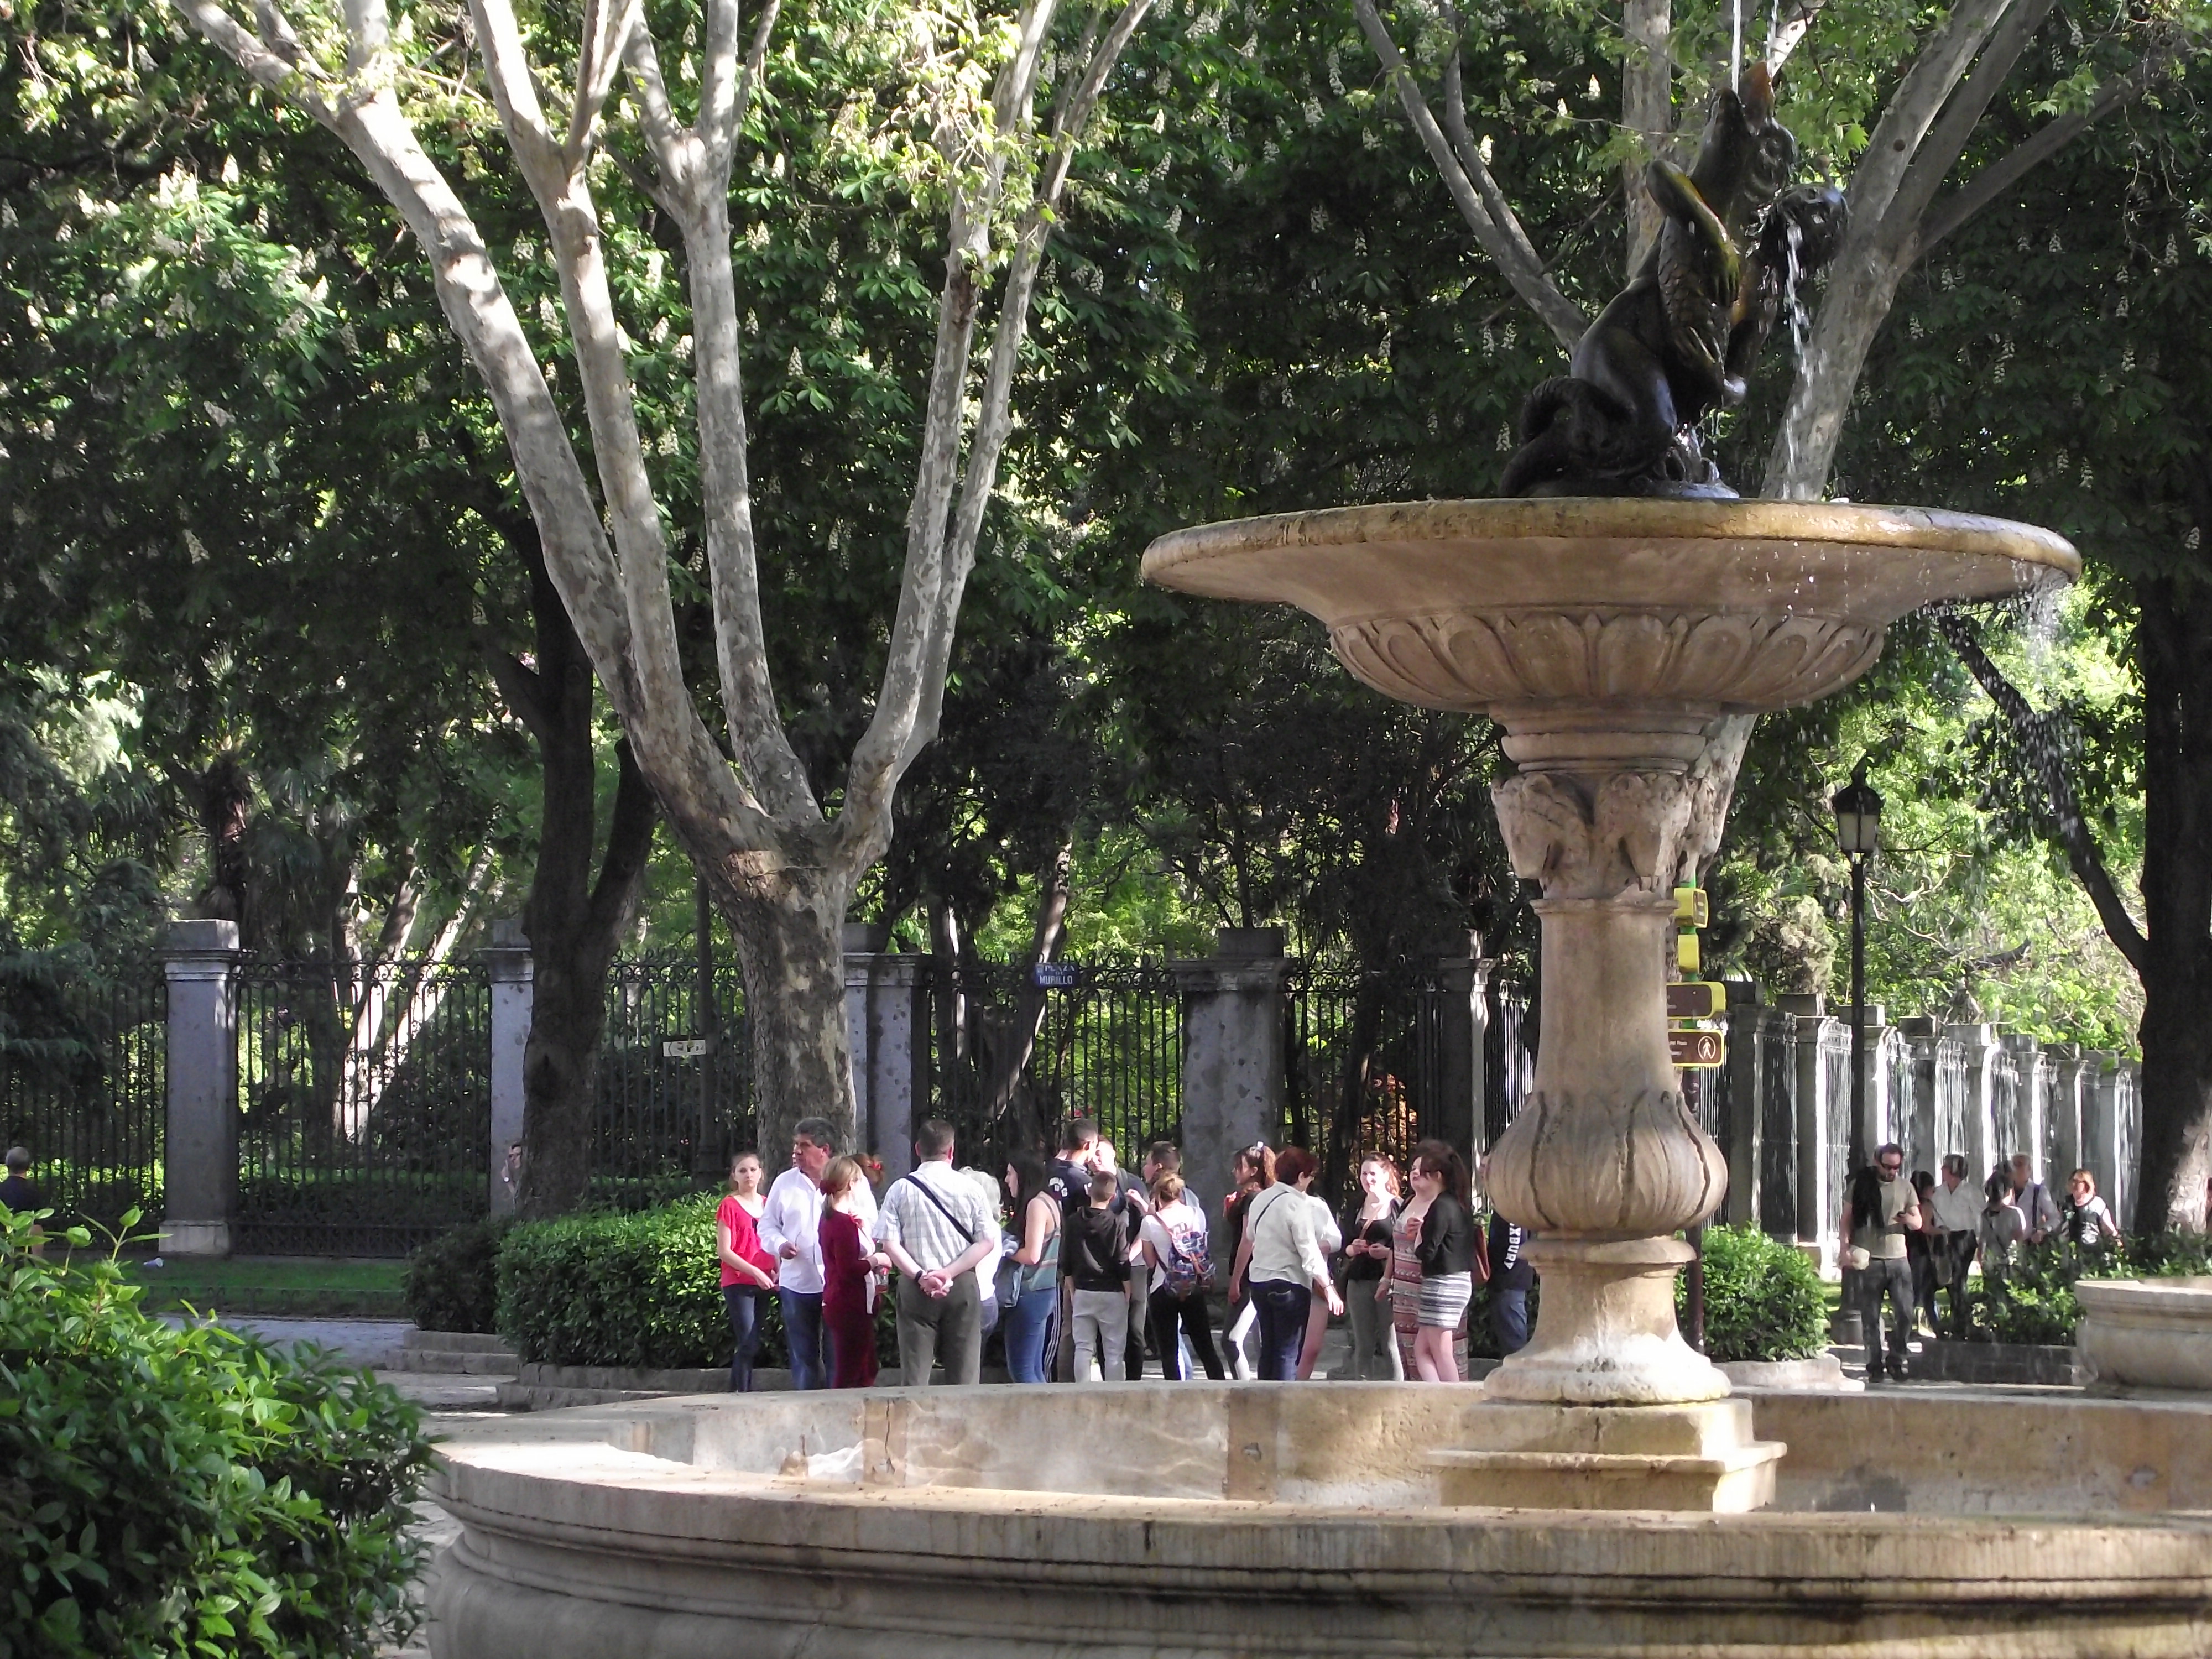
(1451, 1255)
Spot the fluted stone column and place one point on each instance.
(1978, 1046)
(2067, 1068)
(199, 1159)
(1916, 1113)
(1604, 1160)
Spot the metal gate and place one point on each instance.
(83, 1086)
(675, 1088)
(1107, 1046)
(365, 1102)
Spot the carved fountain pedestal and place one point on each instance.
(1612, 639)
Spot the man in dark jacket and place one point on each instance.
(1510, 1276)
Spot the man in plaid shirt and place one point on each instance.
(936, 1227)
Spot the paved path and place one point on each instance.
(365, 1341)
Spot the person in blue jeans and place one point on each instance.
(1029, 1322)
(1280, 1258)
(790, 1231)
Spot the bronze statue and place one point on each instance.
(1677, 342)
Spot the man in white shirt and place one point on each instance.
(791, 1228)
(936, 1231)
(1954, 1220)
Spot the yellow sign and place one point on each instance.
(1686, 952)
(1690, 909)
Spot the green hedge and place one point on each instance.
(640, 1289)
(2034, 1300)
(1763, 1298)
(174, 1491)
(453, 1282)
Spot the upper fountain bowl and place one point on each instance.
(1730, 606)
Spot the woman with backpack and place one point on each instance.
(1173, 1239)
(1034, 1264)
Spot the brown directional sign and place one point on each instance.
(1698, 1050)
(1695, 999)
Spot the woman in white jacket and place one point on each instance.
(1282, 1256)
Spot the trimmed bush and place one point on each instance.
(2034, 1300)
(634, 1289)
(453, 1282)
(637, 1290)
(1763, 1298)
(174, 1492)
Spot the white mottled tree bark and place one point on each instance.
(781, 868)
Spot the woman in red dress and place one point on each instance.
(850, 1262)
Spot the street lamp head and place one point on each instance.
(1858, 815)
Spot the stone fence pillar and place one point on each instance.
(1233, 1081)
(1811, 1134)
(1978, 1049)
(506, 961)
(199, 1178)
(885, 1006)
(1914, 1117)
(1463, 1028)
(2064, 1128)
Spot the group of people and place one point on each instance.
(1906, 1240)
(1087, 1269)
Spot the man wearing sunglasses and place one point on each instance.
(1880, 1209)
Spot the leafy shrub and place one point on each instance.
(453, 1282)
(172, 1491)
(2034, 1302)
(1763, 1298)
(634, 1289)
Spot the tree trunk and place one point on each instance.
(573, 922)
(2173, 641)
(788, 915)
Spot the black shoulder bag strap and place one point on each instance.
(942, 1208)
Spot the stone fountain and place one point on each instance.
(1614, 640)
(1594, 1496)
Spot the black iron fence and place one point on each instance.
(675, 1088)
(82, 1084)
(365, 1102)
(1014, 1054)
(364, 1095)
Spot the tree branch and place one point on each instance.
(1505, 242)
(2033, 736)
(1914, 107)
(912, 695)
(696, 163)
(2008, 169)
(1939, 152)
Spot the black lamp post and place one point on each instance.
(1858, 824)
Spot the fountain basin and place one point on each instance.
(2147, 1333)
(1235, 1519)
(1723, 606)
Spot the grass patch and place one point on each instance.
(299, 1287)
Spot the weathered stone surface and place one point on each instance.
(1128, 1519)
(2146, 1333)
(1619, 641)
